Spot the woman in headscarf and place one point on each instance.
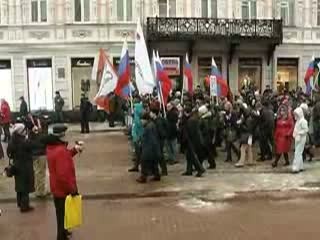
(283, 134)
(20, 150)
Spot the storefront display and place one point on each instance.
(287, 73)
(40, 84)
(81, 69)
(173, 65)
(250, 72)
(6, 82)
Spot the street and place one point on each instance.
(171, 218)
(228, 203)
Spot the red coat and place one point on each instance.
(5, 113)
(61, 169)
(283, 135)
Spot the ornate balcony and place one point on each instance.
(214, 28)
(233, 31)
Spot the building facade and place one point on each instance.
(50, 45)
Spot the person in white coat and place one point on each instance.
(300, 136)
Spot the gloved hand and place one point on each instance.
(74, 193)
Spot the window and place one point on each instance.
(39, 10)
(287, 12)
(287, 73)
(209, 8)
(82, 10)
(249, 9)
(167, 8)
(250, 72)
(124, 10)
(318, 13)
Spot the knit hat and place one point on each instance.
(59, 130)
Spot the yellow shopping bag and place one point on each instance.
(73, 212)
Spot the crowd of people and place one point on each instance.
(200, 124)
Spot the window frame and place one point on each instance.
(125, 11)
(82, 12)
(39, 15)
(288, 4)
(168, 8)
(209, 9)
(249, 3)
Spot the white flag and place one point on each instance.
(144, 77)
(108, 82)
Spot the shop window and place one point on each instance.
(6, 82)
(204, 67)
(81, 69)
(250, 72)
(287, 12)
(249, 9)
(40, 84)
(82, 10)
(209, 8)
(124, 10)
(167, 8)
(39, 10)
(287, 73)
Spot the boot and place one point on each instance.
(142, 179)
(156, 179)
(133, 169)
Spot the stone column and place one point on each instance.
(94, 11)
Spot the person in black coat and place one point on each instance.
(172, 132)
(230, 119)
(85, 110)
(195, 149)
(23, 107)
(266, 129)
(162, 133)
(20, 150)
(151, 152)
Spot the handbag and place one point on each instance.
(73, 212)
(10, 170)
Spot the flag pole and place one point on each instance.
(182, 91)
(161, 96)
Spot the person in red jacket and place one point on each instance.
(283, 134)
(62, 173)
(5, 119)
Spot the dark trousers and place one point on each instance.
(6, 131)
(278, 156)
(150, 166)
(59, 116)
(23, 201)
(137, 152)
(230, 146)
(162, 162)
(84, 125)
(1, 151)
(266, 144)
(211, 156)
(193, 161)
(59, 205)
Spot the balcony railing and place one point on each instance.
(162, 28)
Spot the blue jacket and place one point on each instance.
(137, 128)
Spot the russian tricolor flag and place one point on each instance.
(222, 86)
(123, 88)
(163, 79)
(307, 78)
(187, 77)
